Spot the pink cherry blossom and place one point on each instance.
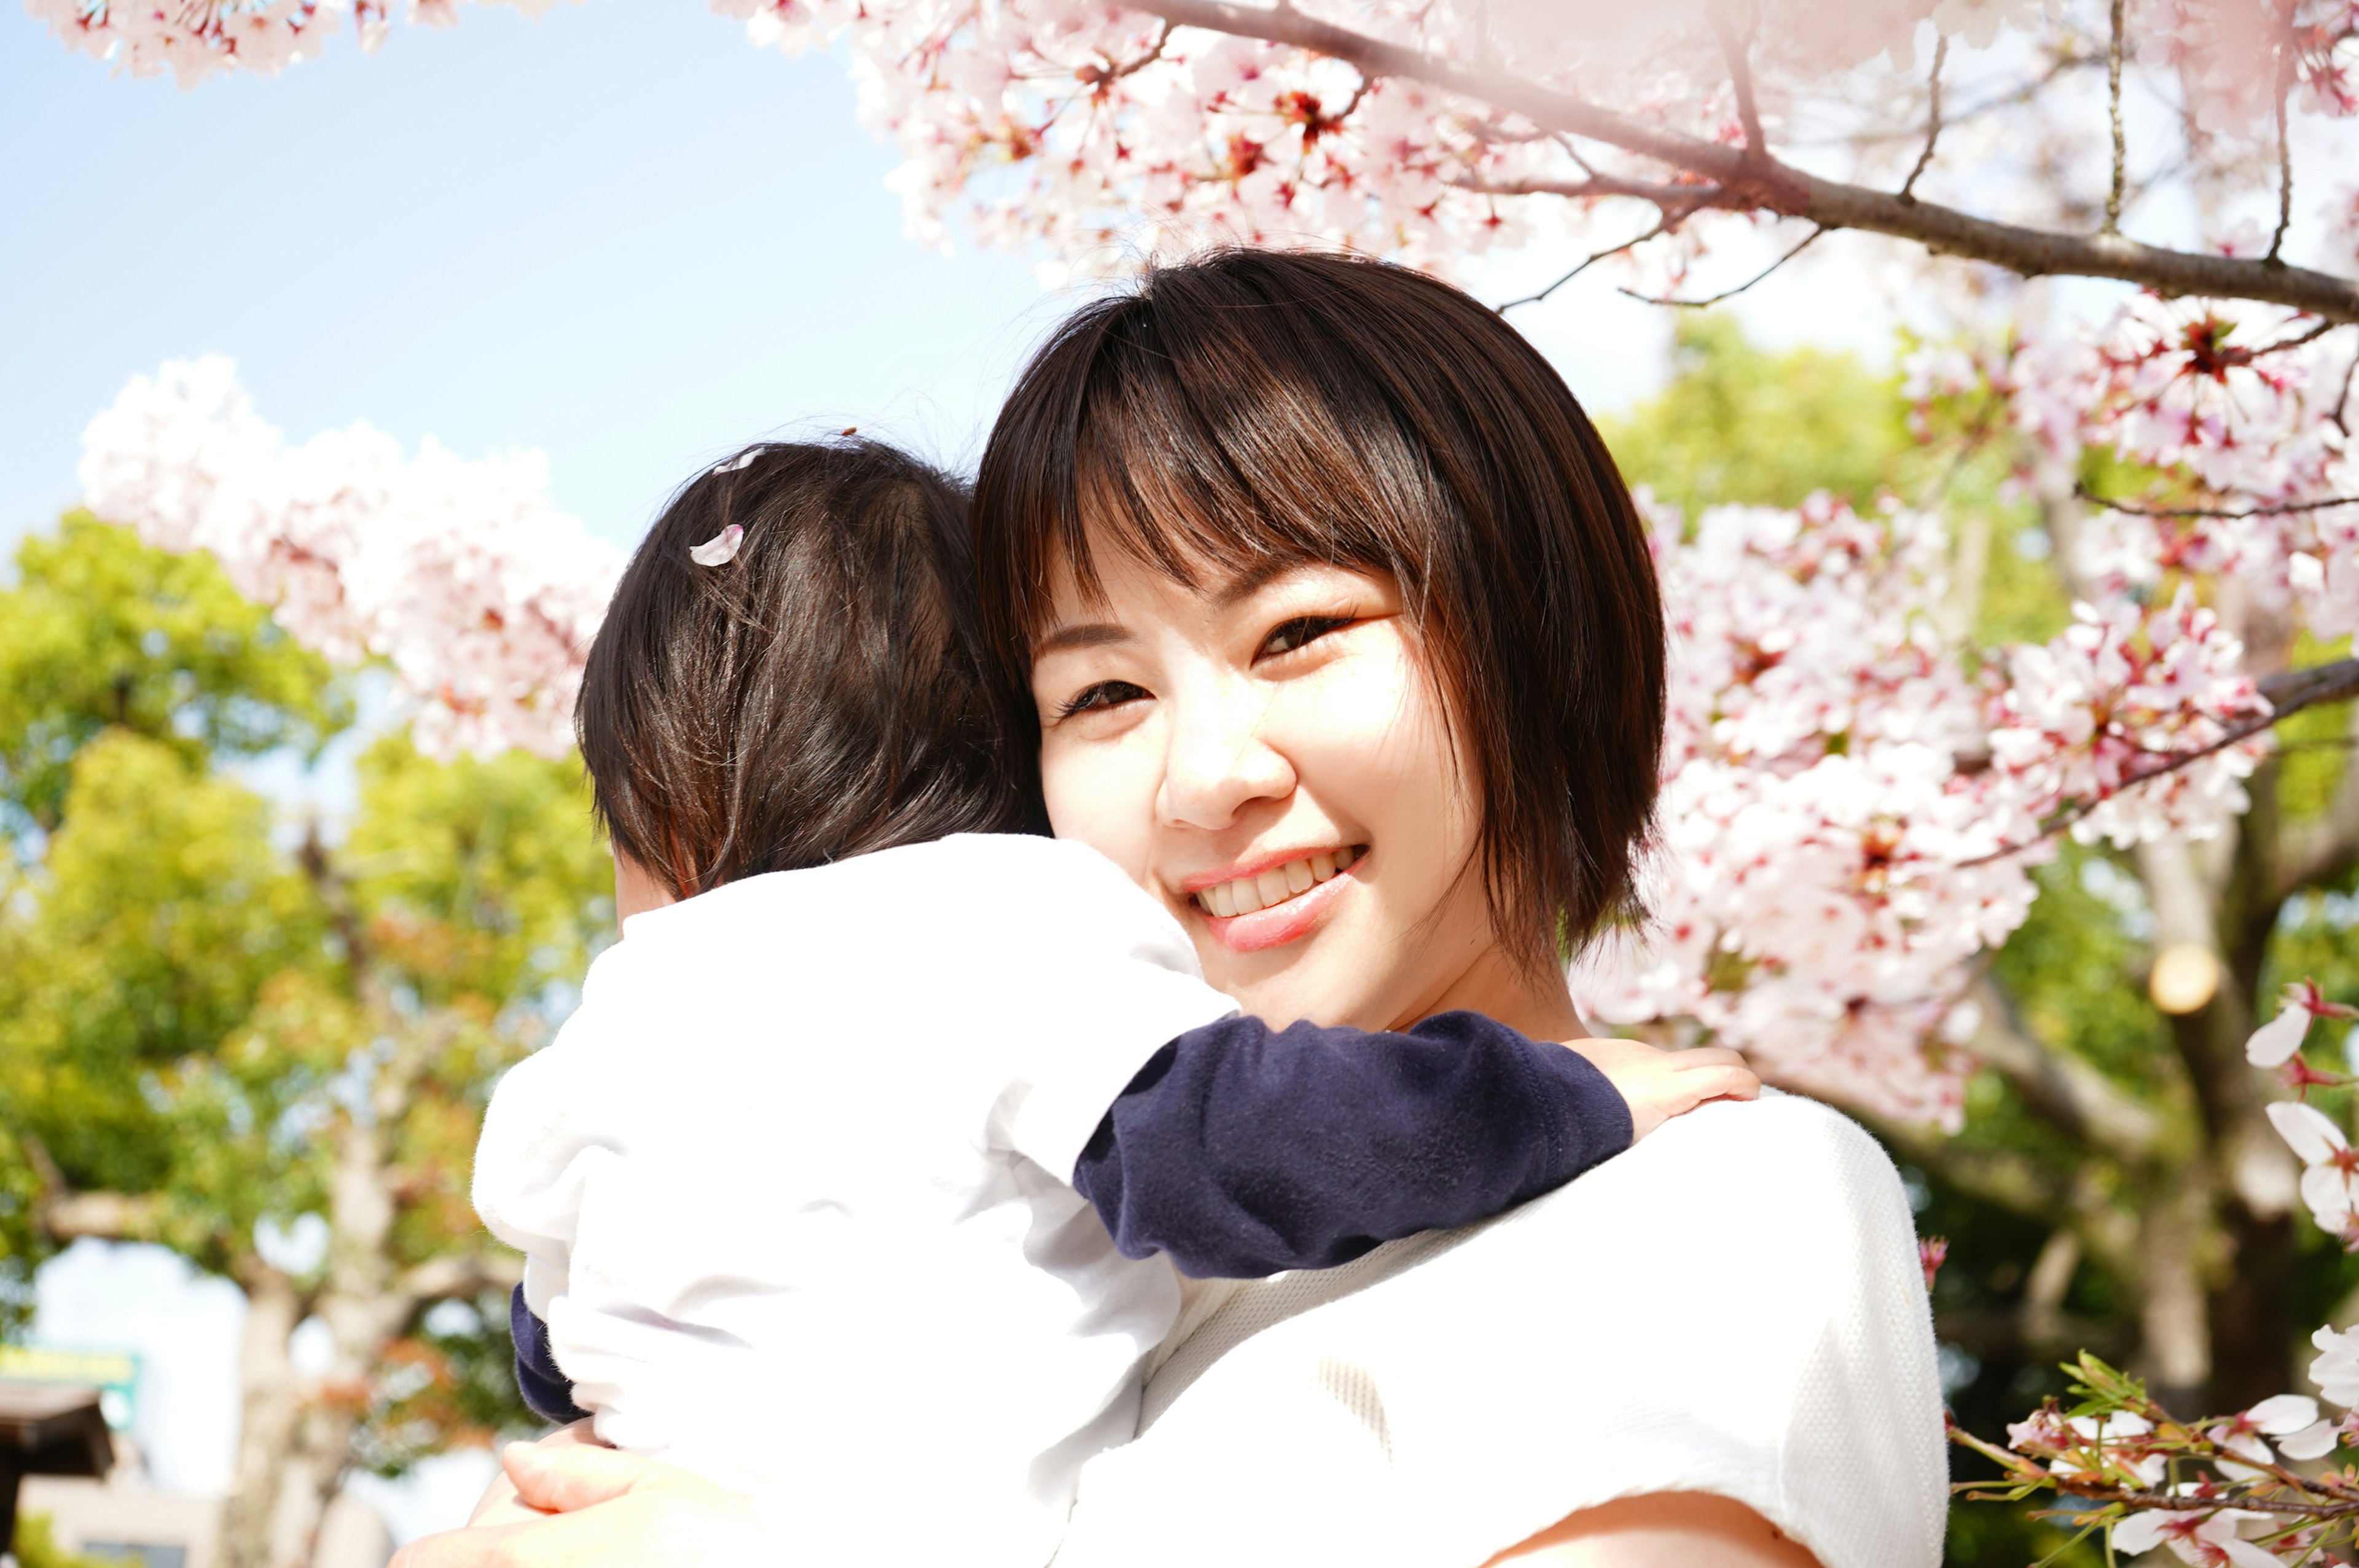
(478, 592)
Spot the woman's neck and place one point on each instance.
(1540, 1006)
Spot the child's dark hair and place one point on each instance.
(820, 695)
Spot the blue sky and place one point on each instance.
(618, 234)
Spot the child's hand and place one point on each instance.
(501, 1505)
(1660, 1085)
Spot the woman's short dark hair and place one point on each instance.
(821, 695)
(1257, 408)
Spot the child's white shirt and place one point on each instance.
(793, 1187)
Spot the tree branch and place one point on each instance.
(66, 1216)
(1586, 263)
(1932, 118)
(2082, 1102)
(1768, 184)
(1688, 197)
(1728, 293)
(2288, 509)
(2285, 143)
(2290, 691)
(2114, 109)
(1738, 53)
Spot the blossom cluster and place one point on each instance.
(2220, 1491)
(1849, 814)
(463, 575)
(2240, 413)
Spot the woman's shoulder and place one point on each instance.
(1783, 1167)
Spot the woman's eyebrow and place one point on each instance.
(1085, 634)
(1250, 581)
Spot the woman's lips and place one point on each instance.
(1285, 922)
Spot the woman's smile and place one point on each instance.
(1279, 898)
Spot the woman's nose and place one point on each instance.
(1219, 761)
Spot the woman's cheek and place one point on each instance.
(1102, 794)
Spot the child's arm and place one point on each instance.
(547, 1391)
(1240, 1150)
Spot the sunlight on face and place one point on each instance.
(1270, 760)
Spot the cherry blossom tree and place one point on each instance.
(1858, 793)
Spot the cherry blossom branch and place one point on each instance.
(1594, 187)
(1586, 263)
(2179, 1502)
(1738, 52)
(1728, 293)
(1766, 183)
(2288, 693)
(2082, 1102)
(2285, 180)
(2113, 108)
(2287, 509)
(1933, 118)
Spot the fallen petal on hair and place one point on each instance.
(719, 550)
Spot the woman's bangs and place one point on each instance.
(1155, 480)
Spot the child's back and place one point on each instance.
(793, 1182)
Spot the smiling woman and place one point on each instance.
(1347, 501)
(1343, 640)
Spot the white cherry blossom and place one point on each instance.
(2209, 1540)
(2274, 1043)
(2330, 1177)
(2336, 1368)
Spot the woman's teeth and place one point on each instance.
(1275, 885)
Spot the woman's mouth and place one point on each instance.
(1275, 907)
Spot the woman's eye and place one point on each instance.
(1301, 630)
(1105, 694)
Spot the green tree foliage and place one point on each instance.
(101, 634)
(216, 1020)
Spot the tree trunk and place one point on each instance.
(271, 1411)
(2174, 1319)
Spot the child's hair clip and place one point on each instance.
(741, 460)
(719, 550)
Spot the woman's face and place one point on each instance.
(1267, 757)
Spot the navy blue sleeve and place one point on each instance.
(545, 1386)
(1242, 1150)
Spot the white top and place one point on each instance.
(1733, 1306)
(792, 1189)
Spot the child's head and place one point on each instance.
(819, 695)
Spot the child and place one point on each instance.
(845, 1185)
